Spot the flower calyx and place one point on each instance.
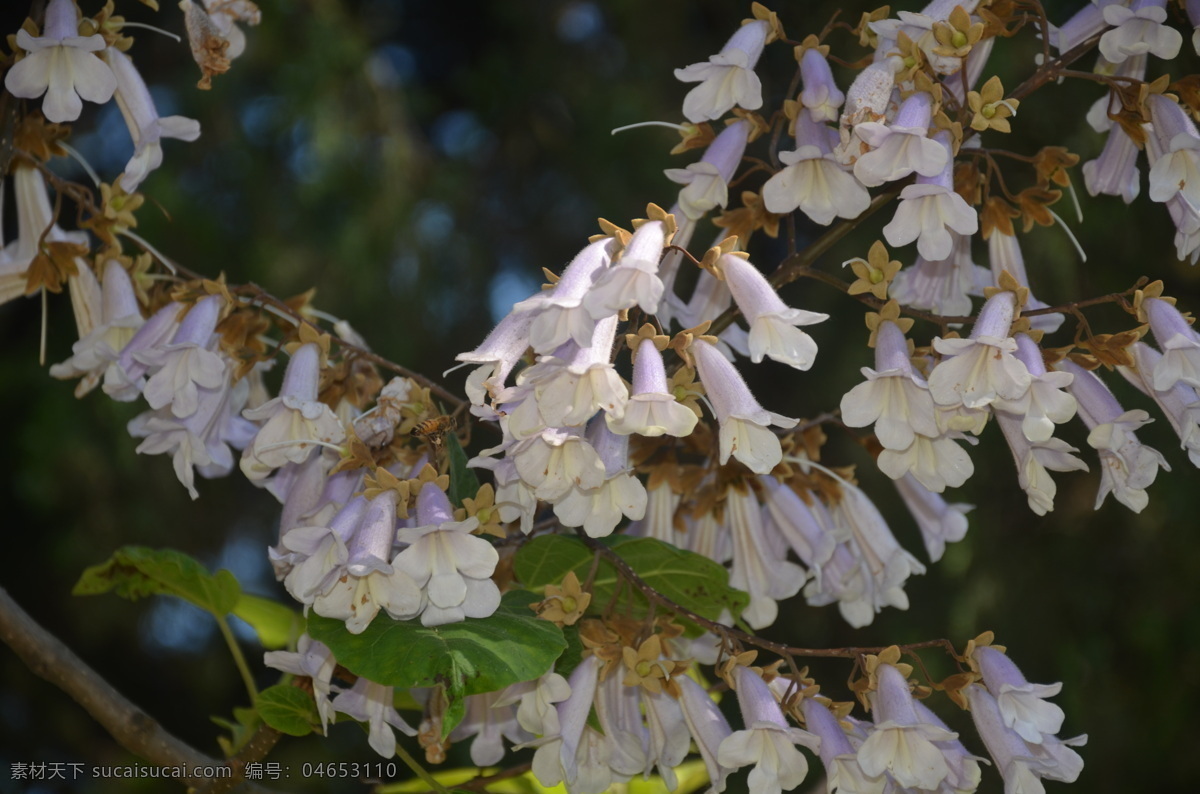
(889, 313)
(991, 110)
(875, 273)
(565, 605)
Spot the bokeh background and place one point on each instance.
(418, 164)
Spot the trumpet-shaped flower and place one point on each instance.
(186, 366)
(706, 183)
(598, 510)
(727, 78)
(452, 567)
(767, 741)
(981, 370)
(62, 65)
(633, 280)
(293, 421)
(813, 180)
(1139, 29)
(902, 743)
(1180, 361)
(902, 147)
(1022, 704)
(652, 410)
(1128, 466)
(373, 704)
(773, 324)
(743, 422)
(371, 579)
(931, 208)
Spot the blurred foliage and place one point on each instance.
(419, 163)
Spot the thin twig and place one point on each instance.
(135, 730)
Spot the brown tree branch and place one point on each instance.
(135, 730)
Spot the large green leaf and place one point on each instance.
(688, 579)
(276, 624)
(474, 656)
(288, 709)
(135, 572)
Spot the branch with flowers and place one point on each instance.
(596, 599)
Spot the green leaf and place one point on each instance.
(288, 709)
(690, 580)
(135, 572)
(276, 624)
(467, 658)
(463, 482)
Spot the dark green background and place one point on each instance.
(419, 163)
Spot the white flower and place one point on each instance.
(981, 370)
(902, 147)
(1022, 704)
(940, 523)
(767, 577)
(292, 421)
(926, 214)
(314, 660)
(372, 703)
(814, 179)
(633, 280)
(368, 581)
(743, 422)
(902, 743)
(1021, 764)
(1035, 461)
(707, 726)
(146, 127)
(652, 410)
(183, 368)
(943, 286)
(61, 65)
(558, 314)
(727, 78)
(599, 510)
(1139, 31)
(767, 741)
(452, 567)
(772, 322)
(96, 353)
(1128, 467)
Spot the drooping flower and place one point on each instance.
(314, 660)
(373, 704)
(902, 743)
(62, 65)
(146, 127)
(727, 78)
(773, 330)
(293, 421)
(598, 510)
(1139, 29)
(1022, 705)
(902, 147)
(185, 367)
(706, 182)
(982, 369)
(767, 741)
(633, 280)
(1128, 466)
(743, 422)
(813, 180)
(452, 567)
(558, 314)
(652, 410)
(929, 209)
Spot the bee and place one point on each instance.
(432, 431)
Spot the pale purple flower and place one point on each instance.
(452, 567)
(902, 743)
(901, 147)
(813, 180)
(727, 78)
(767, 741)
(706, 183)
(931, 208)
(62, 65)
(1139, 29)
(744, 423)
(295, 422)
(773, 331)
(314, 660)
(633, 280)
(146, 127)
(372, 703)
